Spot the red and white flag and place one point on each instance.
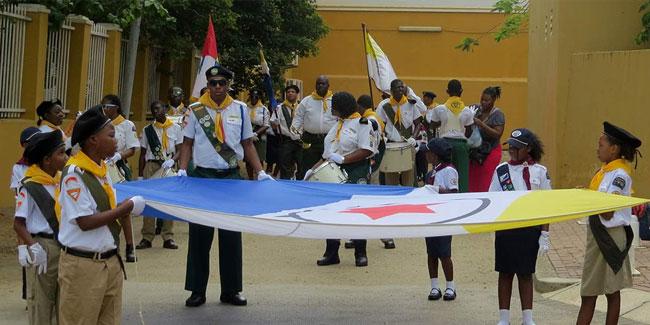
(209, 58)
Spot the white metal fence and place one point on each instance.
(12, 52)
(95, 86)
(56, 66)
(296, 82)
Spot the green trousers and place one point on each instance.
(460, 159)
(311, 155)
(200, 242)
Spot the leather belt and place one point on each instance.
(90, 255)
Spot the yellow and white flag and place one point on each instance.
(379, 68)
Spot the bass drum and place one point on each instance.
(163, 172)
(398, 157)
(328, 172)
(115, 173)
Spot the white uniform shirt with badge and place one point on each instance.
(236, 127)
(174, 137)
(27, 208)
(442, 114)
(376, 134)
(261, 117)
(446, 178)
(617, 182)
(539, 179)
(310, 117)
(410, 112)
(354, 135)
(17, 174)
(278, 117)
(126, 136)
(76, 201)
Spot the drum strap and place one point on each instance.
(390, 113)
(207, 124)
(45, 203)
(613, 256)
(154, 142)
(503, 172)
(287, 116)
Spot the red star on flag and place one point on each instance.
(380, 212)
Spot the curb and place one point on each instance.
(544, 285)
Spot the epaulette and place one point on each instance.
(363, 120)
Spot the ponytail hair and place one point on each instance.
(537, 149)
(627, 152)
(494, 92)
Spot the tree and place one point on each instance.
(644, 34)
(516, 21)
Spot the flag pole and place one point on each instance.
(365, 56)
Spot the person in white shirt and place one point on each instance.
(607, 267)
(312, 121)
(90, 269)
(455, 121)
(50, 117)
(175, 97)
(260, 118)
(516, 250)
(125, 133)
(37, 226)
(160, 144)
(289, 150)
(401, 113)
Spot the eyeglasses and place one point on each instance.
(217, 82)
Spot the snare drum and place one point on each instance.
(328, 172)
(115, 173)
(398, 157)
(163, 172)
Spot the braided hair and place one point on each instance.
(494, 92)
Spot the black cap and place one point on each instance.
(28, 133)
(521, 138)
(218, 71)
(89, 123)
(42, 144)
(429, 94)
(438, 146)
(294, 87)
(621, 135)
(46, 105)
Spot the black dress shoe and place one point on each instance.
(169, 243)
(143, 244)
(233, 299)
(361, 261)
(329, 260)
(450, 294)
(435, 294)
(349, 244)
(129, 256)
(389, 244)
(195, 300)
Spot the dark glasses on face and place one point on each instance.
(217, 82)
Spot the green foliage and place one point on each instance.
(644, 34)
(516, 20)
(467, 43)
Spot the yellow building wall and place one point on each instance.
(423, 60)
(604, 86)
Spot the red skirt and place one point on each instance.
(480, 176)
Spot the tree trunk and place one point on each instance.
(129, 73)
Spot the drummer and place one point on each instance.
(260, 117)
(349, 144)
(160, 147)
(401, 112)
(127, 140)
(289, 150)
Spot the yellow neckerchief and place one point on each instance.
(259, 104)
(341, 121)
(608, 167)
(292, 106)
(38, 175)
(429, 107)
(398, 111)
(455, 105)
(164, 127)
(119, 119)
(370, 112)
(55, 128)
(316, 96)
(84, 162)
(173, 111)
(219, 132)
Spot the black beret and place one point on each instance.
(28, 133)
(621, 135)
(218, 71)
(294, 87)
(89, 123)
(43, 144)
(46, 105)
(429, 94)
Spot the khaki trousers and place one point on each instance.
(91, 290)
(149, 223)
(406, 178)
(43, 289)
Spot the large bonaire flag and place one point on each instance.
(379, 68)
(268, 84)
(323, 210)
(209, 58)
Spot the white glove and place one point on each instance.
(181, 172)
(307, 174)
(138, 204)
(473, 109)
(544, 243)
(417, 148)
(411, 142)
(255, 137)
(335, 157)
(169, 163)
(116, 157)
(140, 178)
(40, 257)
(263, 176)
(24, 258)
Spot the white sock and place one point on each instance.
(527, 315)
(434, 283)
(504, 317)
(450, 285)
